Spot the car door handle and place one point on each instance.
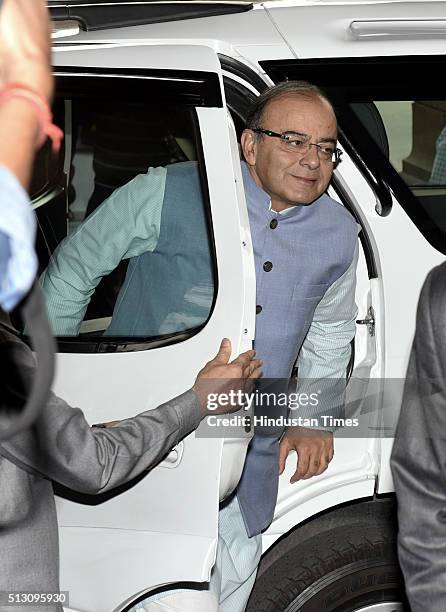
(369, 321)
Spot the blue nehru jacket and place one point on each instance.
(298, 256)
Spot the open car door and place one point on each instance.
(123, 110)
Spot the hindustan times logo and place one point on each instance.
(237, 420)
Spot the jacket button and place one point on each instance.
(258, 309)
(274, 223)
(267, 266)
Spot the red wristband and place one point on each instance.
(47, 127)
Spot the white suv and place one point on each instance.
(144, 84)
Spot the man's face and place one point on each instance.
(289, 176)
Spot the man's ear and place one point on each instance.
(248, 141)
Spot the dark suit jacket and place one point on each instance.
(419, 454)
(62, 447)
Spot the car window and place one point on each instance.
(107, 211)
(415, 133)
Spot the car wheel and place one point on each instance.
(350, 568)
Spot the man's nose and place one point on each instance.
(310, 158)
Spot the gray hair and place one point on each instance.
(287, 88)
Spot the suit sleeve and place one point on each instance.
(419, 454)
(63, 447)
(123, 226)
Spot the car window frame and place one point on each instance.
(193, 89)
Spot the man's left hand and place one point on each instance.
(314, 449)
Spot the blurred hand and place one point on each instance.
(314, 449)
(25, 45)
(221, 377)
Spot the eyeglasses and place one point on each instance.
(299, 143)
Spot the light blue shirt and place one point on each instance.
(126, 224)
(18, 261)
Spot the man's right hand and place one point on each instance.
(219, 376)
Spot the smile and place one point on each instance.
(307, 181)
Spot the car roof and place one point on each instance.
(260, 31)
(103, 14)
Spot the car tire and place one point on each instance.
(343, 568)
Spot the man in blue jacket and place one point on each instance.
(305, 249)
